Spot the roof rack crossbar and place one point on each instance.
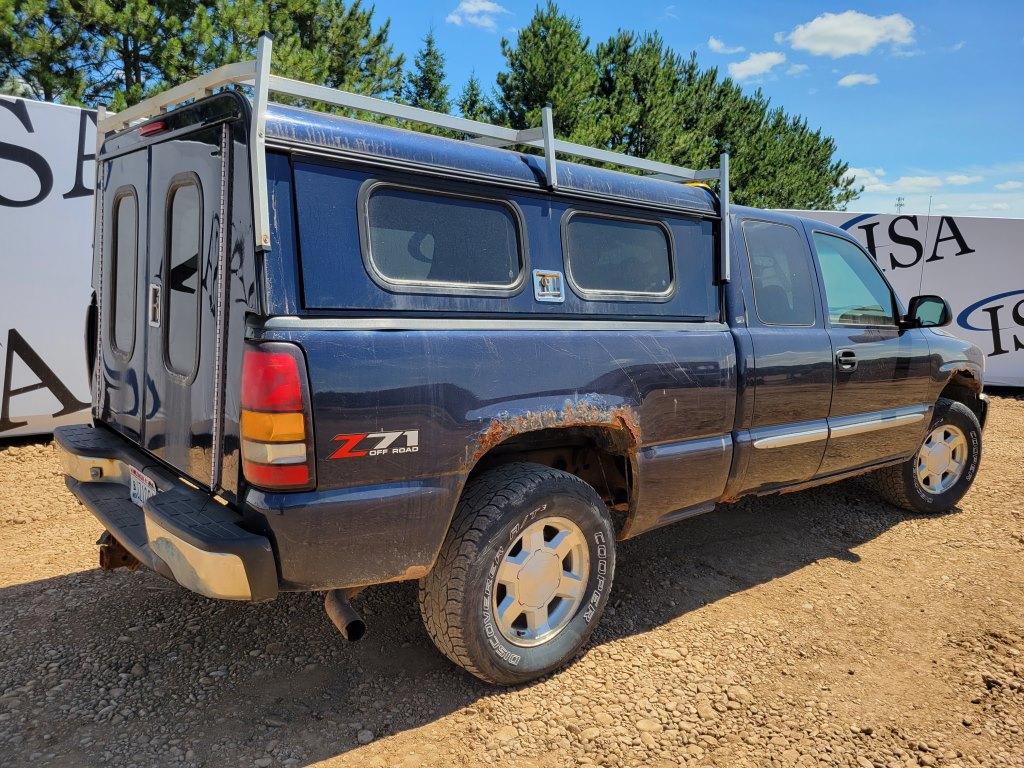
(257, 74)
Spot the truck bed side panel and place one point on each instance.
(462, 391)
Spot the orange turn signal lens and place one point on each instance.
(273, 427)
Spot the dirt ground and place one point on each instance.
(820, 628)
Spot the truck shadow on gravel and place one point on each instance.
(119, 668)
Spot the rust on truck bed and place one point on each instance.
(586, 412)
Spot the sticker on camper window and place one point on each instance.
(547, 285)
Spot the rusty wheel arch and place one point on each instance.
(597, 443)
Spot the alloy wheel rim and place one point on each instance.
(541, 581)
(942, 458)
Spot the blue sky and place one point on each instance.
(925, 99)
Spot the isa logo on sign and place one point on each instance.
(1002, 316)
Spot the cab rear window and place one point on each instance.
(416, 238)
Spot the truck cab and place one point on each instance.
(331, 353)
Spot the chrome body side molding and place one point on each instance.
(847, 427)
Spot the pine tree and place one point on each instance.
(319, 41)
(131, 48)
(426, 87)
(37, 40)
(636, 91)
(550, 62)
(472, 102)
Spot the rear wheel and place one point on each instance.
(936, 477)
(523, 575)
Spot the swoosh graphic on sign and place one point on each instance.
(856, 219)
(961, 319)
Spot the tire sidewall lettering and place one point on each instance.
(598, 583)
(930, 500)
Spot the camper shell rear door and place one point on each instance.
(165, 194)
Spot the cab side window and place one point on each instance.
(780, 268)
(855, 291)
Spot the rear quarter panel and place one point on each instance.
(378, 518)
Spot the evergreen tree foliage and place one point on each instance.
(426, 86)
(117, 52)
(473, 104)
(320, 41)
(630, 93)
(37, 40)
(550, 62)
(633, 94)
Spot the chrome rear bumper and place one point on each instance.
(180, 532)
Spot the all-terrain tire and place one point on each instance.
(898, 484)
(455, 597)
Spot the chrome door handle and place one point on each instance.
(154, 305)
(846, 359)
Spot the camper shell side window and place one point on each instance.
(618, 257)
(416, 239)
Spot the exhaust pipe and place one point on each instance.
(343, 615)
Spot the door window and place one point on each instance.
(780, 268)
(855, 291)
(124, 263)
(181, 277)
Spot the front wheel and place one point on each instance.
(936, 477)
(523, 575)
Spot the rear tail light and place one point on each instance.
(276, 429)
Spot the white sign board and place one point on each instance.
(47, 175)
(975, 264)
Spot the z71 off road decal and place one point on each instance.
(376, 444)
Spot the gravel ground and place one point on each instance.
(820, 628)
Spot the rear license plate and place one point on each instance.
(141, 486)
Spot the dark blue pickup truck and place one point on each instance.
(329, 353)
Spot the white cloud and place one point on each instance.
(960, 179)
(948, 190)
(779, 38)
(850, 32)
(670, 12)
(797, 69)
(477, 13)
(857, 78)
(717, 46)
(916, 183)
(755, 64)
(957, 46)
(870, 179)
